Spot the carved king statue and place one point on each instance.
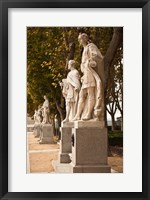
(71, 88)
(91, 96)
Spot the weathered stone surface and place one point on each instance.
(37, 130)
(90, 124)
(45, 108)
(68, 168)
(30, 128)
(70, 90)
(47, 134)
(89, 152)
(91, 169)
(65, 146)
(91, 95)
(65, 143)
(61, 167)
(64, 158)
(67, 124)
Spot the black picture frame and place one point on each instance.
(4, 6)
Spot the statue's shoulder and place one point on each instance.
(72, 72)
(75, 71)
(92, 45)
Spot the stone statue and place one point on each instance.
(56, 123)
(39, 113)
(45, 109)
(36, 122)
(91, 96)
(35, 116)
(70, 90)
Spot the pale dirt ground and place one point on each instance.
(41, 155)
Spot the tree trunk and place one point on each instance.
(97, 37)
(62, 102)
(70, 46)
(71, 51)
(121, 122)
(112, 110)
(113, 122)
(60, 110)
(117, 39)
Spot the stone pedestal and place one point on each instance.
(30, 128)
(47, 134)
(89, 150)
(37, 131)
(34, 129)
(65, 143)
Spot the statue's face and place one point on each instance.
(44, 97)
(71, 65)
(82, 40)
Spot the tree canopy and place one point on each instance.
(50, 48)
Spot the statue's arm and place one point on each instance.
(92, 52)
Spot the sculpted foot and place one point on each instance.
(76, 118)
(87, 117)
(66, 120)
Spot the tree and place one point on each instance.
(110, 98)
(48, 51)
(114, 86)
(115, 43)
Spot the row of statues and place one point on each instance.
(42, 114)
(44, 128)
(85, 95)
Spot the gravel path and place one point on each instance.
(41, 155)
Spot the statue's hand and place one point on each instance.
(92, 63)
(76, 89)
(82, 78)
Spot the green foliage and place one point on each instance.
(48, 52)
(114, 92)
(44, 65)
(115, 138)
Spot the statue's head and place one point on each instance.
(39, 106)
(45, 97)
(83, 39)
(71, 64)
(35, 111)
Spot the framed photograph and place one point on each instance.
(74, 99)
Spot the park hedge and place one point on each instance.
(115, 138)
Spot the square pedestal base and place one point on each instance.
(65, 143)
(89, 149)
(68, 168)
(61, 167)
(91, 169)
(37, 131)
(47, 134)
(64, 158)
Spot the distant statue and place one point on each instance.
(36, 121)
(91, 97)
(35, 116)
(39, 113)
(70, 90)
(56, 123)
(45, 109)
